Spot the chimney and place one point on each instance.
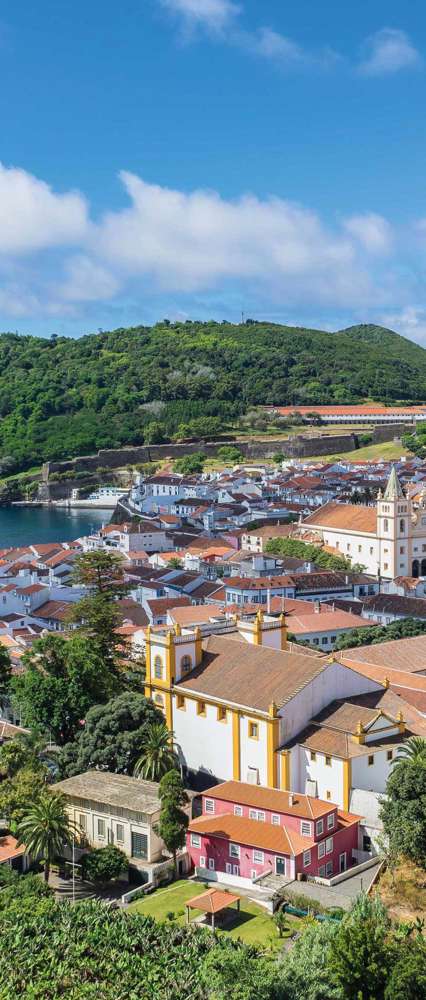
(268, 600)
(317, 607)
(291, 799)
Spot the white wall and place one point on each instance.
(205, 742)
(335, 681)
(359, 550)
(253, 753)
(374, 777)
(329, 778)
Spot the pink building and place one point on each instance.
(247, 831)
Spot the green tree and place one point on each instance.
(359, 959)
(239, 975)
(104, 863)
(98, 613)
(45, 828)
(414, 751)
(175, 563)
(407, 979)
(26, 785)
(173, 822)
(190, 464)
(230, 453)
(404, 628)
(5, 672)
(303, 550)
(403, 811)
(157, 756)
(304, 974)
(63, 678)
(112, 736)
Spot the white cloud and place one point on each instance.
(388, 51)
(372, 231)
(215, 15)
(33, 217)
(409, 322)
(193, 242)
(87, 281)
(272, 45)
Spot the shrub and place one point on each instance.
(104, 864)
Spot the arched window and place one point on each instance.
(186, 664)
(158, 667)
(385, 524)
(402, 526)
(415, 571)
(423, 567)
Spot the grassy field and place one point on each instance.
(404, 891)
(387, 450)
(253, 925)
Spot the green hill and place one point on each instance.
(62, 397)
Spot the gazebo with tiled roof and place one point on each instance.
(212, 902)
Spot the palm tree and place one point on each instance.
(413, 751)
(45, 827)
(157, 756)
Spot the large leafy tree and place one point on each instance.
(112, 736)
(157, 756)
(25, 786)
(45, 828)
(407, 980)
(360, 957)
(305, 973)
(173, 822)
(403, 811)
(63, 678)
(97, 613)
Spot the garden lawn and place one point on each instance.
(254, 925)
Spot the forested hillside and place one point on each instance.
(62, 397)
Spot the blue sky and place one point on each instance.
(199, 158)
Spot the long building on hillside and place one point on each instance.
(356, 414)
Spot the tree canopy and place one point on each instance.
(112, 736)
(62, 397)
(402, 629)
(303, 550)
(63, 678)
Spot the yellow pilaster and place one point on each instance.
(285, 770)
(170, 659)
(148, 654)
(273, 734)
(168, 708)
(198, 647)
(236, 755)
(347, 781)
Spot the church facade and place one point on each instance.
(388, 540)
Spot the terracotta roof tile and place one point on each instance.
(251, 676)
(253, 833)
(344, 516)
(241, 792)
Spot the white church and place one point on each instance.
(388, 540)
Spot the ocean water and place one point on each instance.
(27, 525)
